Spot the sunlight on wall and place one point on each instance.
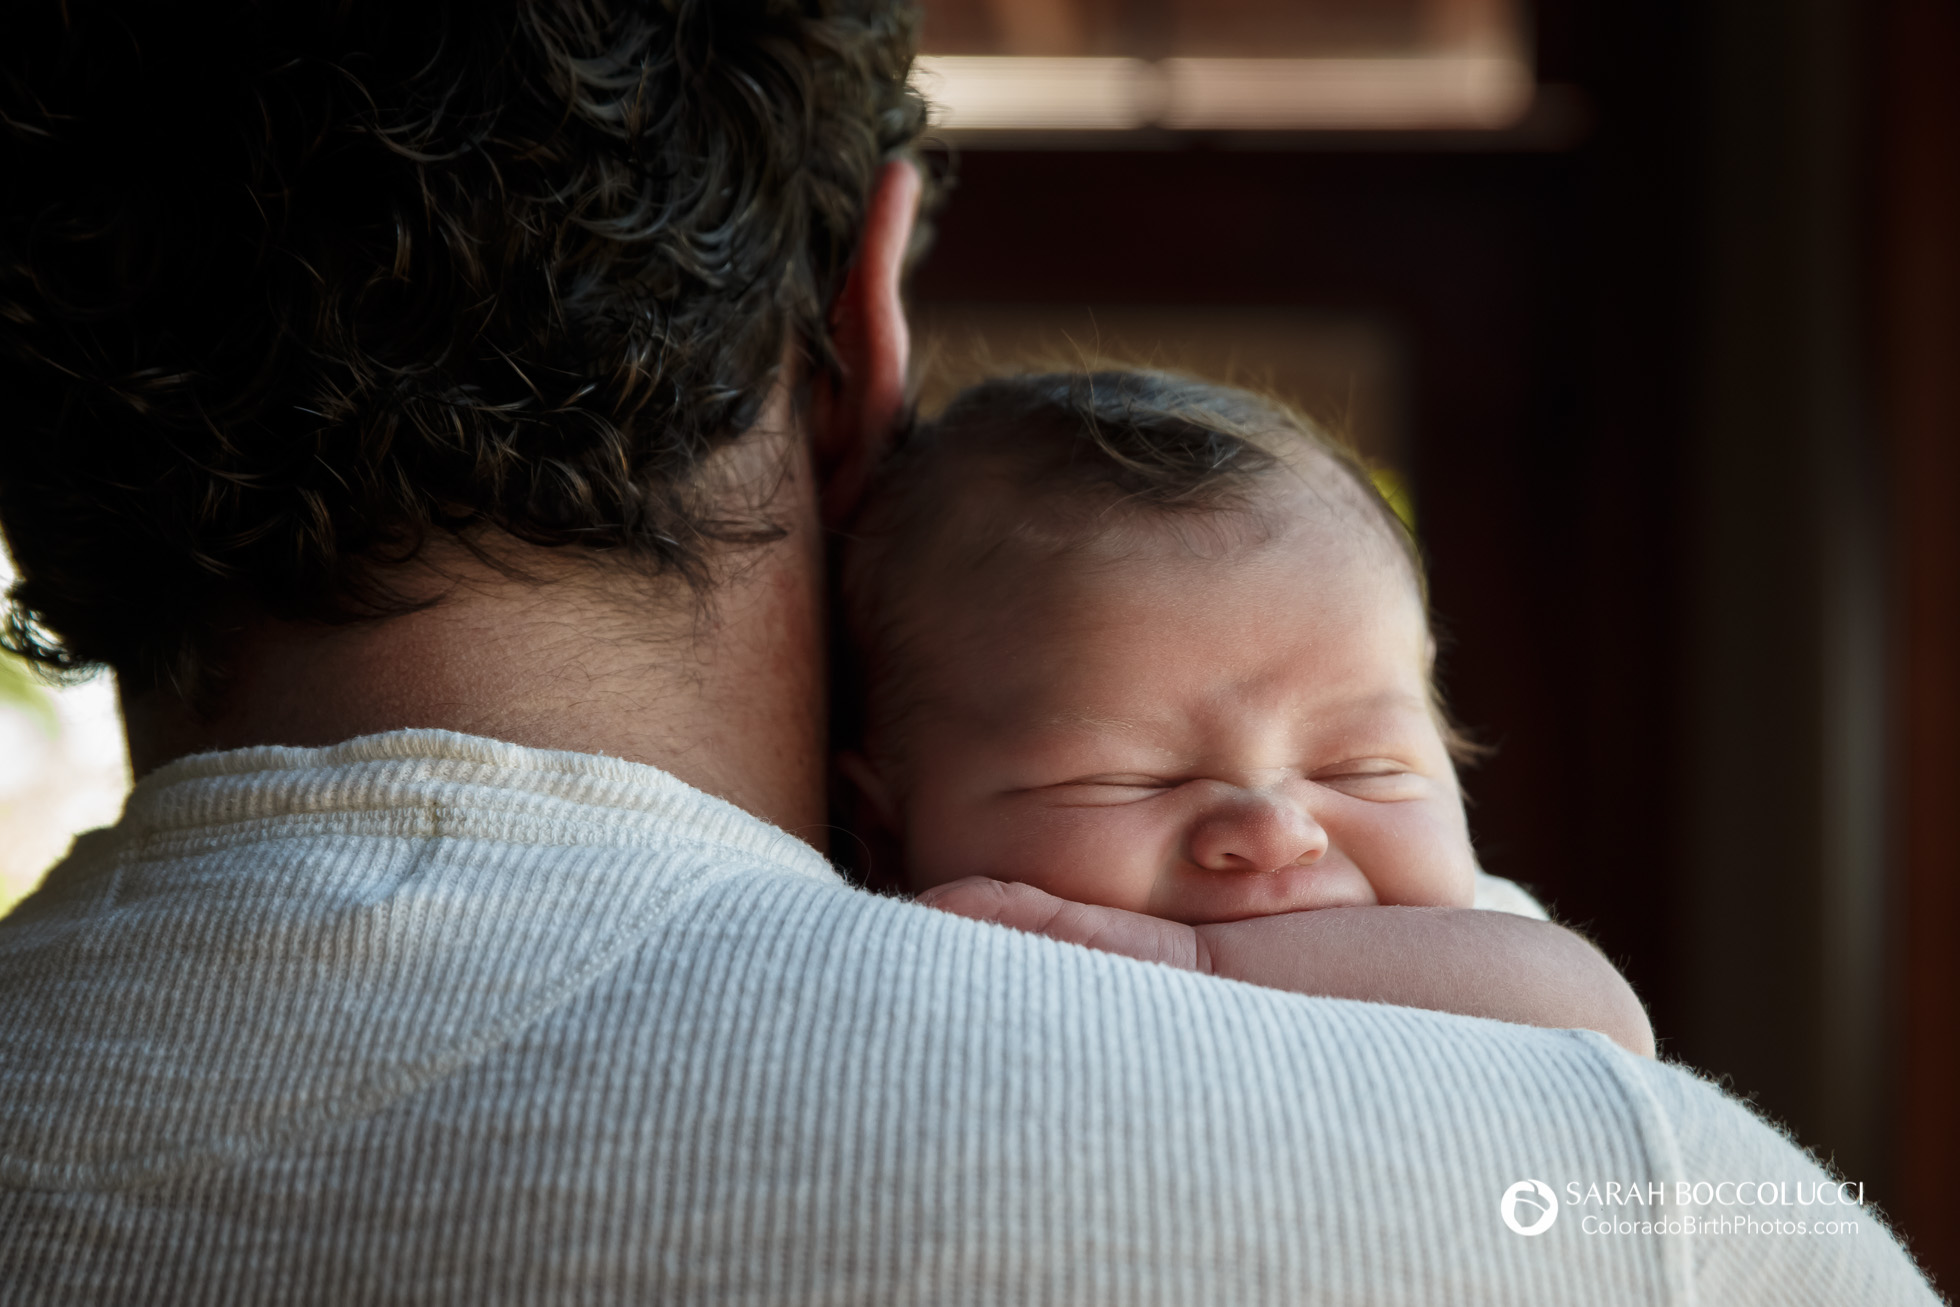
(64, 768)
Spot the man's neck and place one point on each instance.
(725, 692)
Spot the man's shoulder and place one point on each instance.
(775, 1063)
(1766, 1219)
(893, 1064)
(835, 962)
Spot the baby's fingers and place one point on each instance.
(1024, 907)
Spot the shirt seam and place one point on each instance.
(430, 819)
(1663, 1156)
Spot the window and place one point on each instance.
(1019, 66)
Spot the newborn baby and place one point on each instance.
(1145, 664)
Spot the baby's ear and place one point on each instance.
(868, 811)
(873, 796)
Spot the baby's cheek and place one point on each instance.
(951, 822)
(945, 846)
(1089, 855)
(1103, 855)
(1416, 854)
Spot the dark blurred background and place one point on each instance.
(1654, 305)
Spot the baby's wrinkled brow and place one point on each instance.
(1075, 721)
(1152, 735)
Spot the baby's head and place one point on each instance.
(1153, 644)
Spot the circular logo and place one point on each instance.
(1529, 1207)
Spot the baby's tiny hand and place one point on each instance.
(1113, 930)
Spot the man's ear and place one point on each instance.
(853, 417)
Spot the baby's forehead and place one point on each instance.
(1001, 532)
(1305, 623)
(1198, 585)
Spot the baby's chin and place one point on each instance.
(1198, 898)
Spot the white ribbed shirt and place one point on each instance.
(424, 1018)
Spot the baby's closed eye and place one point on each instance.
(1380, 780)
(1101, 791)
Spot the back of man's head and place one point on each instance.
(287, 289)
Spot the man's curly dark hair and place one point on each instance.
(288, 287)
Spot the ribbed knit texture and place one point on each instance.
(423, 1018)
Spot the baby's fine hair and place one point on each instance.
(1060, 460)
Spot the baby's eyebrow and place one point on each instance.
(1077, 722)
(1078, 719)
(1140, 729)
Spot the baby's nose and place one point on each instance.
(1256, 832)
